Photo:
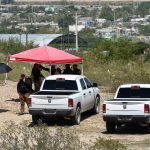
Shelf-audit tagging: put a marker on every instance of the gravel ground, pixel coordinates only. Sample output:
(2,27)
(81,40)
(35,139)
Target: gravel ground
(91,127)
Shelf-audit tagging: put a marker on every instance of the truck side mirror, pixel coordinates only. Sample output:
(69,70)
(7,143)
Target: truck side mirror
(95,85)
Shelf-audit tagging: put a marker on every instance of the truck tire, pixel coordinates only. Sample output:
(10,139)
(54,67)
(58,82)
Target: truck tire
(77,117)
(111,127)
(148,128)
(96,108)
(35,119)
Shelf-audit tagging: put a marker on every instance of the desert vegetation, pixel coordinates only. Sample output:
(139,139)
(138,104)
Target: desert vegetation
(112,63)
(109,63)
(40,138)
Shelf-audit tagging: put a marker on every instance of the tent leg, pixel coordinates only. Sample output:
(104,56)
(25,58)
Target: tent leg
(82,68)
(50,68)
(6,76)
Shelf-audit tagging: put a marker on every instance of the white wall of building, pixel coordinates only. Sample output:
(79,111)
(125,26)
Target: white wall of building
(72,28)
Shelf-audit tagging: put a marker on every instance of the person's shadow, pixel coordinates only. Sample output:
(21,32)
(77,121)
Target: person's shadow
(13,100)
(3,110)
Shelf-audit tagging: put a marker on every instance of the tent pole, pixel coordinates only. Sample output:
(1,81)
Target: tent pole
(6,76)
(50,68)
(82,68)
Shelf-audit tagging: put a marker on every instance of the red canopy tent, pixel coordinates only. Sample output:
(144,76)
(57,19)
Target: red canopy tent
(46,55)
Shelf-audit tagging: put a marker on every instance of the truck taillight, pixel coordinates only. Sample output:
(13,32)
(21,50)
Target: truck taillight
(146,108)
(70,102)
(104,108)
(29,102)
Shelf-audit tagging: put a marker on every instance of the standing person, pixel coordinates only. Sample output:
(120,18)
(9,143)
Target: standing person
(58,70)
(24,88)
(67,69)
(37,76)
(76,70)
(53,69)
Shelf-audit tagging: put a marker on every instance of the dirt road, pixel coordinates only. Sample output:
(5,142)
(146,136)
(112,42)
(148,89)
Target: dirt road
(91,127)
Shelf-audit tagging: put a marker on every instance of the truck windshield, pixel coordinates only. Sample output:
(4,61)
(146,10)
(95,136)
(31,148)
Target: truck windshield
(134,93)
(60,85)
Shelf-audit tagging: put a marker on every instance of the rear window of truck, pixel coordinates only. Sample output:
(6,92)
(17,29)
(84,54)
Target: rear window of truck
(134,93)
(60,85)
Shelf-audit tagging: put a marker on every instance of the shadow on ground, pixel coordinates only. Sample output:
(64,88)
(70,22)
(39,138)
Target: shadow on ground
(130,129)
(13,100)
(60,121)
(3,110)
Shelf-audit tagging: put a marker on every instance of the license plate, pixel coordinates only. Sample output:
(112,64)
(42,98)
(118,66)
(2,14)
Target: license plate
(50,111)
(125,118)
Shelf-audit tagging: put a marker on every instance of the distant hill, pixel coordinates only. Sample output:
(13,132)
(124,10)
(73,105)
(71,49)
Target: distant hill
(82,1)
(78,2)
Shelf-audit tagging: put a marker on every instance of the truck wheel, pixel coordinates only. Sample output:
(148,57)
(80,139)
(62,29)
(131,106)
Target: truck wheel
(111,127)
(77,117)
(148,128)
(35,119)
(96,108)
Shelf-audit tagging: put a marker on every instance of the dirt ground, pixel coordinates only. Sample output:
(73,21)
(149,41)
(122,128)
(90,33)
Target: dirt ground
(91,127)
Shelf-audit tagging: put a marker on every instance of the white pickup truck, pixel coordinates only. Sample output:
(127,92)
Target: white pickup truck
(131,104)
(66,96)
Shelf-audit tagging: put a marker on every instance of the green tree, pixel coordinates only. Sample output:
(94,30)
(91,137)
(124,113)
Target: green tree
(7,1)
(65,20)
(107,13)
(88,36)
(143,9)
(144,29)
(84,12)
(118,50)
(123,13)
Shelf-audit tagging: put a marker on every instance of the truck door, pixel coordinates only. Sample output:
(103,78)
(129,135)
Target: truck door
(84,92)
(90,93)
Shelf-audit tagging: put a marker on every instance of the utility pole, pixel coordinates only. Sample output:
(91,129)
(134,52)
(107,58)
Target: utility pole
(1,6)
(99,4)
(114,18)
(76,31)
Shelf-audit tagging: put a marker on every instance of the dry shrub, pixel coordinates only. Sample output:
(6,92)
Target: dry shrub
(107,144)
(115,73)
(21,137)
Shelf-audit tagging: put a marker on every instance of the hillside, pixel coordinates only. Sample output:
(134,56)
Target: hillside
(84,0)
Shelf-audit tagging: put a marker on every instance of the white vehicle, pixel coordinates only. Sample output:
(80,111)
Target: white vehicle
(66,96)
(131,104)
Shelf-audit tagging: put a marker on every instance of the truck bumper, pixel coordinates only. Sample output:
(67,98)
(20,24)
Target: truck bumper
(127,119)
(51,112)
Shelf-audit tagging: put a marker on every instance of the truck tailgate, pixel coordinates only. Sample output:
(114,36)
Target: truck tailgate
(125,107)
(49,102)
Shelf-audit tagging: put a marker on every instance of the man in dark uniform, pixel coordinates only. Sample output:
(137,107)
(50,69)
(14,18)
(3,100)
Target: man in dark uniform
(76,70)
